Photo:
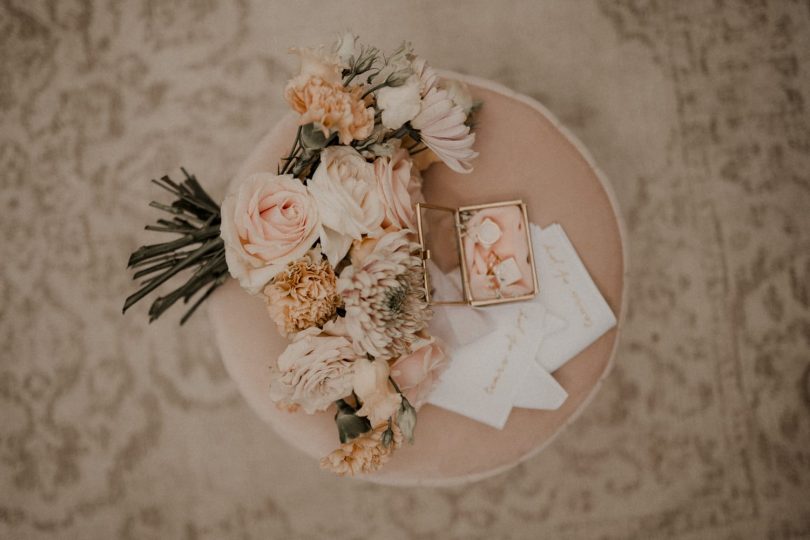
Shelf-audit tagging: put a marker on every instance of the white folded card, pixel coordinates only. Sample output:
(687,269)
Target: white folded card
(502,356)
(567,290)
(484,377)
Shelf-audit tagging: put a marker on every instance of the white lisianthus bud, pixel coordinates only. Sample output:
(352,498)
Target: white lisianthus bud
(399,104)
(344,47)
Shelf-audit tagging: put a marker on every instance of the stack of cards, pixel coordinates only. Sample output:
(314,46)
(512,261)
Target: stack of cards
(503,356)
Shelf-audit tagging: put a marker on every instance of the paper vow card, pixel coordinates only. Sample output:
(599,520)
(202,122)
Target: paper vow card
(484,376)
(503,356)
(567,291)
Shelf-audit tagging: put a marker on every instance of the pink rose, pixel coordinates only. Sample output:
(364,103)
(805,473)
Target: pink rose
(398,181)
(417,373)
(267,222)
(493,235)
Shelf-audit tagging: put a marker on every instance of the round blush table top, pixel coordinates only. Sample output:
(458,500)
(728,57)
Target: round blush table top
(524,154)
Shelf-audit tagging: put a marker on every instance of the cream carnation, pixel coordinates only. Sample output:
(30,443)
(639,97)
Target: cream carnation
(349,202)
(315,370)
(267,222)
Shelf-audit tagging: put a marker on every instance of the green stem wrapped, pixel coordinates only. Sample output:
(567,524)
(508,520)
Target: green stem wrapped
(197,219)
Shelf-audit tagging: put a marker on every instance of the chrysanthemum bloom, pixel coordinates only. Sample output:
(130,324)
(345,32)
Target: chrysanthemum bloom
(384,297)
(442,127)
(365,454)
(304,295)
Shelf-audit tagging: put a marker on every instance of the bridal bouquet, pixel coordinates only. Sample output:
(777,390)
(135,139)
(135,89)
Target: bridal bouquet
(328,241)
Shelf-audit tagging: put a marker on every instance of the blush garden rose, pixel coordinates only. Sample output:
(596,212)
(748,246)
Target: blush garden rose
(267,222)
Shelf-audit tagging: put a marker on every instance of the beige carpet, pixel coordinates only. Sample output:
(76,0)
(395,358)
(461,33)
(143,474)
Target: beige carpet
(699,112)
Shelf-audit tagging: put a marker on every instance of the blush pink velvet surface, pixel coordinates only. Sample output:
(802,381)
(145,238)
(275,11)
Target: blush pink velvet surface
(524,154)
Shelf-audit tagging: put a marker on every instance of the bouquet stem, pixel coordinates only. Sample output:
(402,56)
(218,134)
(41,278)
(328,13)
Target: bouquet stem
(196,218)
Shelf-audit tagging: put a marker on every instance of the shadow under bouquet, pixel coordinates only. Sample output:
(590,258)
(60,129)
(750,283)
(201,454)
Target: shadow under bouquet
(329,241)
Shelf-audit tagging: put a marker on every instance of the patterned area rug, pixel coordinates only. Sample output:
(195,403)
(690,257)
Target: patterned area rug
(698,110)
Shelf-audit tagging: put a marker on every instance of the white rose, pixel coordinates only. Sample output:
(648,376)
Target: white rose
(314,371)
(349,203)
(267,222)
(399,104)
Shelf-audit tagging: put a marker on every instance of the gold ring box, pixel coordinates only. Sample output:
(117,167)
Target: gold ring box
(489,245)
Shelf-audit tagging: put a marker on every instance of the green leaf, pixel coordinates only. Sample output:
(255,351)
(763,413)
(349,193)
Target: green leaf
(406,419)
(312,138)
(350,426)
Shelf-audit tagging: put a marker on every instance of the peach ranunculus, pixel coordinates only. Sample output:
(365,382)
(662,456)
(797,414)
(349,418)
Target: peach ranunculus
(370,383)
(319,96)
(349,202)
(494,236)
(397,179)
(315,370)
(267,221)
(417,373)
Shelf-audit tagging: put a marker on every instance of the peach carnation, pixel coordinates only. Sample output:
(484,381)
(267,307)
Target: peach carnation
(331,107)
(365,454)
(304,295)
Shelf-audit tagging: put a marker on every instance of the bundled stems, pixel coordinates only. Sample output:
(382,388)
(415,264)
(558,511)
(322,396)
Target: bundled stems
(196,218)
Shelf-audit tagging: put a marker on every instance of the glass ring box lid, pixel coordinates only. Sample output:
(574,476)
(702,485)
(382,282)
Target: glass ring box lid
(476,255)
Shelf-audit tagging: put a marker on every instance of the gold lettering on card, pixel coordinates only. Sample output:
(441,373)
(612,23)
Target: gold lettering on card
(512,341)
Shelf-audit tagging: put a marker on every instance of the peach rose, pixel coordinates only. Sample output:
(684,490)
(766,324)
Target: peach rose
(370,383)
(396,178)
(349,203)
(417,373)
(497,234)
(267,222)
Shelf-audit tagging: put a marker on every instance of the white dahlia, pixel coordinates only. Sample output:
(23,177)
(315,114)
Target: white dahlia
(441,124)
(384,296)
